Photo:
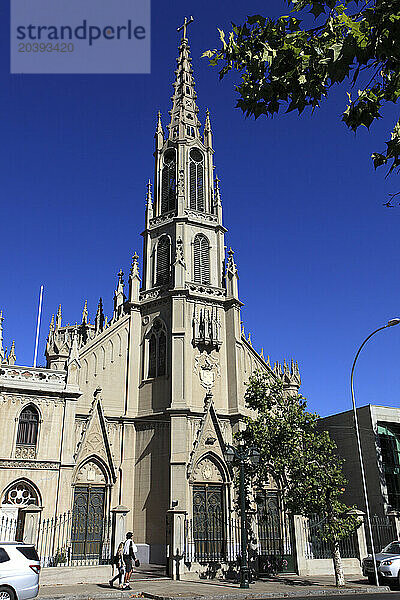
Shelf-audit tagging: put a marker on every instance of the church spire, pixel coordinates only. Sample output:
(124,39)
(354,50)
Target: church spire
(159,135)
(207,131)
(184,122)
(59,317)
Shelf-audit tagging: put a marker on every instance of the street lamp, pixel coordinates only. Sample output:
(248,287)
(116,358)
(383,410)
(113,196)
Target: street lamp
(242,455)
(390,323)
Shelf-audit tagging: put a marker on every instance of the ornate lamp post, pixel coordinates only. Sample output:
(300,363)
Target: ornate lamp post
(390,323)
(242,455)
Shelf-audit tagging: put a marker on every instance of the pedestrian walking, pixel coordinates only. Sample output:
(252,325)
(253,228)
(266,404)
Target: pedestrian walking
(118,562)
(129,555)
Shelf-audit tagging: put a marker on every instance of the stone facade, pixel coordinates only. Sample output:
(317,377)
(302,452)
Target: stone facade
(142,405)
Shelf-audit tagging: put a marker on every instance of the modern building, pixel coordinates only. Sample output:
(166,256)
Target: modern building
(131,416)
(380,442)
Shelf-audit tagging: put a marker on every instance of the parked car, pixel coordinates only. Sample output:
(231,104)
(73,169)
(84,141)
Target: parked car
(19,571)
(387,564)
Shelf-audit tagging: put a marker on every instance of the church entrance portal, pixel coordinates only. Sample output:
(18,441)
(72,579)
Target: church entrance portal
(88,523)
(208,522)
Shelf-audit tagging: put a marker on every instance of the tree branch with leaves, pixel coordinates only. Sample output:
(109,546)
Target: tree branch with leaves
(286,65)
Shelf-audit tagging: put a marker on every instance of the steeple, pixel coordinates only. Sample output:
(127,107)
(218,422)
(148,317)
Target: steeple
(149,204)
(85,314)
(99,320)
(184,122)
(207,131)
(12,356)
(59,317)
(134,280)
(159,135)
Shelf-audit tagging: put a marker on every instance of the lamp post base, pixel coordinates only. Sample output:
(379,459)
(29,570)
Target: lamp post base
(244,577)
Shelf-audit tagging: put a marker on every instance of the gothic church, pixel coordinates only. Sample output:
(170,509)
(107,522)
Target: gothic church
(125,428)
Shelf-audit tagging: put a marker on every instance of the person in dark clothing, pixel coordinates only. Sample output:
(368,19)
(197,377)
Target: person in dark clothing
(118,561)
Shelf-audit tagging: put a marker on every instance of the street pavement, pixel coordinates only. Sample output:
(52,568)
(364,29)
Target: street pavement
(157,587)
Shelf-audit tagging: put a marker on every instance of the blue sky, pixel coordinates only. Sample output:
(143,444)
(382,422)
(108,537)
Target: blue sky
(318,254)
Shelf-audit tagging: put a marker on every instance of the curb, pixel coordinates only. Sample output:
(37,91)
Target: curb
(233,596)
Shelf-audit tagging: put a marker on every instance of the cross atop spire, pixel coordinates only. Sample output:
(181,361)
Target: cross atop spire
(183,27)
(184,122)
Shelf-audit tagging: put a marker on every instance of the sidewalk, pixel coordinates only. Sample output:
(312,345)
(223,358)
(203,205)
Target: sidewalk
(160,588)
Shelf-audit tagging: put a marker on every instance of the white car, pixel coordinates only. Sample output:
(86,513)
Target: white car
(19,571)
(387,564)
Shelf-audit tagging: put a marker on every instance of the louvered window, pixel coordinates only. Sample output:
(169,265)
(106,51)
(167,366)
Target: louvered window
(163,261)
(168,184)
(28,427)
(157,350)
(152,356)
(201,259)
(196,180)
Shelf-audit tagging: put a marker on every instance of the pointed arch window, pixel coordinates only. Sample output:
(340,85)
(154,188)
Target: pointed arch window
(196,180)
(168,183)
(201,259)
(28,426)
(157,350)
(163,261)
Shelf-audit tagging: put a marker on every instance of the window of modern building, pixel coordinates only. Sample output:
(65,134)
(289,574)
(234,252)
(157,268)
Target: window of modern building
(196,180)
(201,259)
(168,183)
(389,439)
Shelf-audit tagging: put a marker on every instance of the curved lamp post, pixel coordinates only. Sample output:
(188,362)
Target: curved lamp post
(242,455)
(390,323)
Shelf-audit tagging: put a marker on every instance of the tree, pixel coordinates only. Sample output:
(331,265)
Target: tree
(284,64)
(301,457)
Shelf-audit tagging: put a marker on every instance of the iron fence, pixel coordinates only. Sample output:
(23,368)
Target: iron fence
(317,547)
(212,539)
(383,532)
(71,540)
(8,528)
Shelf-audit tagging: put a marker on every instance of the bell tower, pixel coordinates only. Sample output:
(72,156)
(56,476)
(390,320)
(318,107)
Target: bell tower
(186,197)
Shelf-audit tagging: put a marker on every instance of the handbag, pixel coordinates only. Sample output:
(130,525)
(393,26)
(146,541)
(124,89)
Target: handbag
(137,562)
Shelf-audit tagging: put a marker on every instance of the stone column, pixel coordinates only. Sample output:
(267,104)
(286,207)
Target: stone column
(361,537)
(395,516)
(300,544)
(31,523)
(118,526)
(176,543)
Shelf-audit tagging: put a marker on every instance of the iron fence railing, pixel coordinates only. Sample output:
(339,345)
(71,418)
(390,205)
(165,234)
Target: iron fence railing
(8,528)
(70,540)
(383,532)
(316,547)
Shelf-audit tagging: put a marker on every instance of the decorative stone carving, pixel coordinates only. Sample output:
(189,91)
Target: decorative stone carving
(207,368)
(21,494)
(181,182)
(22,451)
(156,221)
(179,257)
(36,375)
(201,216)
(206,327)
(90,473)
(32,464)
(207,470)
(208,290)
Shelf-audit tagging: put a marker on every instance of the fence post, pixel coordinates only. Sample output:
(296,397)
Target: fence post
(176,543)
(118,532)
(361,537)
(31,523)
(300,524)
(395,515)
